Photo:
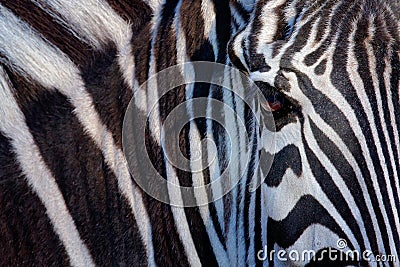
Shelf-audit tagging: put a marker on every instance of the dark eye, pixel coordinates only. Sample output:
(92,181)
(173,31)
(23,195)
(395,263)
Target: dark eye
(276,102)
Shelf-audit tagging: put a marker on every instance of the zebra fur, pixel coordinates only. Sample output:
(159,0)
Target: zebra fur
(337,64)
(68,72)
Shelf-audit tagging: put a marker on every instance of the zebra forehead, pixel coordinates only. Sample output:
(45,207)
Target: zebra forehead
(284,33)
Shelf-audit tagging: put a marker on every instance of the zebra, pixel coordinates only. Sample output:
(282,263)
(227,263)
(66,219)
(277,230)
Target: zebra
(68,71)
(334,66)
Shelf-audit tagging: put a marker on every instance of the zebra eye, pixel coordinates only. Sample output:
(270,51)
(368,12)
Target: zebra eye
(274,100)
(282,108)
(274,103)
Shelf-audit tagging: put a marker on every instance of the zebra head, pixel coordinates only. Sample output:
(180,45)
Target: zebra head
(332,69)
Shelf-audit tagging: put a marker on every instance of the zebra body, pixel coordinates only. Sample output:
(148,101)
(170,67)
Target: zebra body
(68,72)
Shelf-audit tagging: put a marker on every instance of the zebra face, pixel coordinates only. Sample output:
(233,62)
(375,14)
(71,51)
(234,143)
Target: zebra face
(315,63)
(337,64)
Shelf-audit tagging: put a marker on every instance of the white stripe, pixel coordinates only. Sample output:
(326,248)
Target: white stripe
(209,18)
(155,5)
(242,145)
(93,20)
(235,231)
(12,124)
(215,172)
(237,47)
(151,88)
(47,65)
(288,135)
(290,15)
(269,26)
(180,221)
(126,63)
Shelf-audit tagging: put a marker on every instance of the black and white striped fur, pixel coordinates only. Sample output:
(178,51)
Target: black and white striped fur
(68,70)
(337,160)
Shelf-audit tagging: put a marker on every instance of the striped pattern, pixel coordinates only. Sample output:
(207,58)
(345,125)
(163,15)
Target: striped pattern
(337,66)
(68,71)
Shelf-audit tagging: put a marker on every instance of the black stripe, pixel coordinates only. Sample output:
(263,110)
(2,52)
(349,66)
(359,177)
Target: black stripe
(281,24)
(243,13)
(168,248)
(249,176)
(257,61)
(301,40)
(324,17)
(287,158)
(104,81)
(394,88)
(223,28)
(257,230)
(27,236)
(141,50)
(256,26)
(233,57)
(192,25)
(321,67)
(305,213)
(285,29)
